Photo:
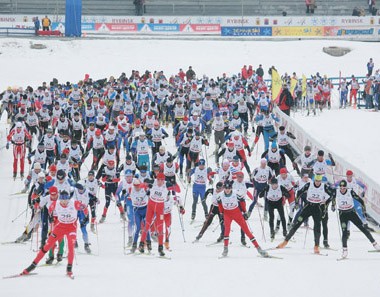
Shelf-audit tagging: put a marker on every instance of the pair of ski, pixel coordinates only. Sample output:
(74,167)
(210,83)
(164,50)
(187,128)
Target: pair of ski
(346,258)
(71,276)
(260,256)
(149,255)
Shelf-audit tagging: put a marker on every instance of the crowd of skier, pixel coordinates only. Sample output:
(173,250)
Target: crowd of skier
(146,141)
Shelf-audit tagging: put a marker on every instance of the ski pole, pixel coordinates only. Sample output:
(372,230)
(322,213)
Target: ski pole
(124,237)
(184,202)
(97,237)
(181,223)
(337,215)
(19,215)
(216,227)
(304,242)
(262,225)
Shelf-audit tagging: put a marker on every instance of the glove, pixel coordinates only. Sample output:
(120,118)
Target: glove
(330,156)
(7,146)
(211,182)
(29,161)
(221,217)
(248,214)
(333,207)
(249,154)
(124,192)
(181,210)
(296,206)
(245,216)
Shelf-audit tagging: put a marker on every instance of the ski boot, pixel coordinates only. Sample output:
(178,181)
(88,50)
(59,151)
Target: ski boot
(14,175)
(49,260)
(376,246)
(344,253)
(225,251)
(161,251)
(123,217)
(69,270)
(243,242)
(87,248)
(181,175)
(166,244)
(76,244)
(22,238)
(102,219)
(134,247)
(30,268)
(220,238)
(92,227)
(282,245)
(326,244)
(59,257)
(262,253)
(284,233)
(149,245)
(193,216)
(369,228)
(141,247)
(316,249)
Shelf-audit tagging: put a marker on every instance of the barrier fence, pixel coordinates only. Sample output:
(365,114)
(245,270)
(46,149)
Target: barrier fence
(339,170)
(341,27)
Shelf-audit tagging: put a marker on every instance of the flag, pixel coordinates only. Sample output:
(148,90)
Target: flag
(276,85)
(303,85)
(293,84)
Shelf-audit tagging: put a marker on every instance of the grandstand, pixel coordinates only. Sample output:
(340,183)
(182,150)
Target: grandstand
(184,7)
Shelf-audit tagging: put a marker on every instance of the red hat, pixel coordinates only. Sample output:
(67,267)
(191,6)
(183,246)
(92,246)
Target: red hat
(349,172)
(185,118)
(230,143)
(53,190)
(53,168)
(283,170)
(111,163)
(138,122)
(121,112)
(156,124)
(98,132)
(101,103)
(48,178)
(161,176)
(241,173)
(149,113)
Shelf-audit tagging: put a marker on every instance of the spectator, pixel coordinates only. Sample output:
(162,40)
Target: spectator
(310,6)
(190,74)
(371,6)
(370,66)
(36,25)
(368,93)
(286,100)
(260,71)
(181,74)
(139,6)
(244,73)
(46,23)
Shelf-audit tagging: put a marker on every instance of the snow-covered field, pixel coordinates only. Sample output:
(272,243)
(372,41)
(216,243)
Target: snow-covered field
(195,269)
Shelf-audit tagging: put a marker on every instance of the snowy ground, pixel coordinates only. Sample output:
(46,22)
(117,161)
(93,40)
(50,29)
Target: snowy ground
(195,269)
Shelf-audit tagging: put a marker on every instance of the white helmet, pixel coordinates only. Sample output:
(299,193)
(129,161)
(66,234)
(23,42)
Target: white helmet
(37,165)
(142,133)
(18,125)
(41,175)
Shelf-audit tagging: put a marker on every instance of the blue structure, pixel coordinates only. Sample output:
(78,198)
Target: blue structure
(73,22)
